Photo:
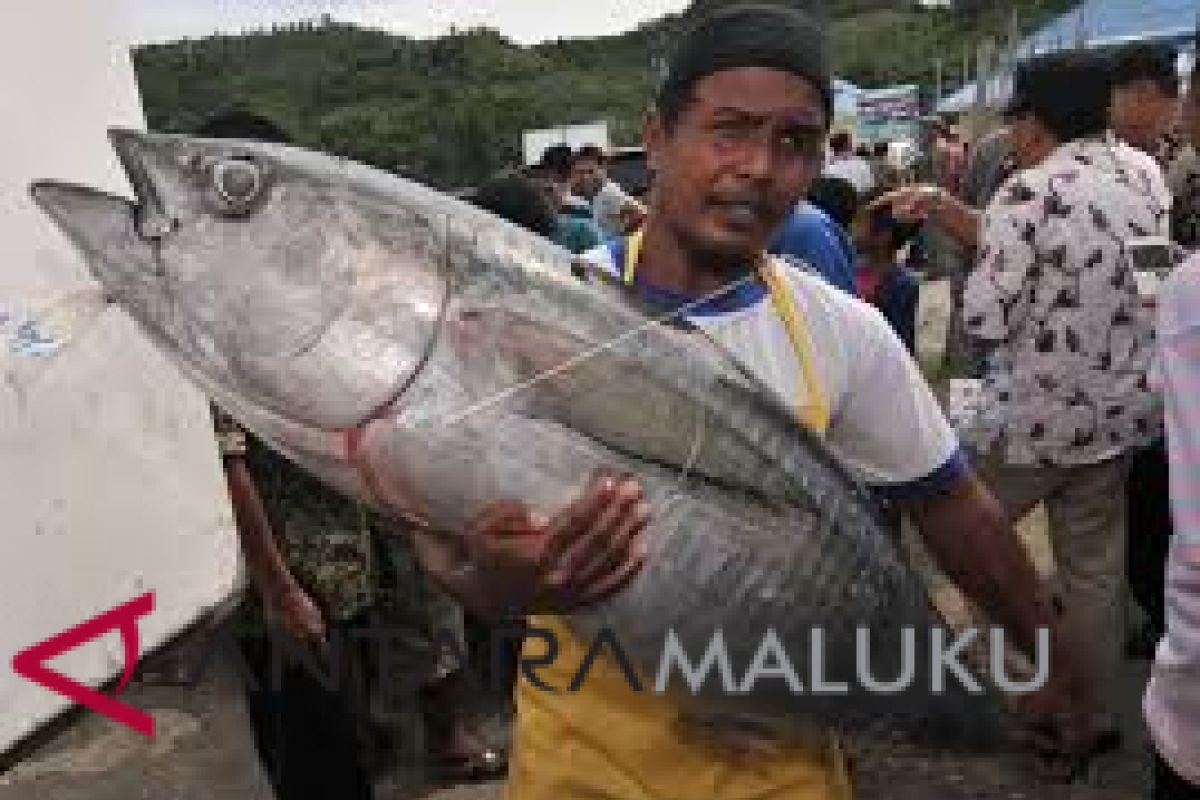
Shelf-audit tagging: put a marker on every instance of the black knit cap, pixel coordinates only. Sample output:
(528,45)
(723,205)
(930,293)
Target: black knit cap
(749,35)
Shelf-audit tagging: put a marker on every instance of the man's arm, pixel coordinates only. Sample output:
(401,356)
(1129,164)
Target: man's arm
(938,207)
(974,544)
(891,430)
(269,573)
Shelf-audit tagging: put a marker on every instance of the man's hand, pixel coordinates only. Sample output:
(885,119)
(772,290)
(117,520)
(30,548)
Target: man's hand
(936,206)
(910,203)
(973,541)
(297,613)
(285,603)
(517,563)
(1062,718)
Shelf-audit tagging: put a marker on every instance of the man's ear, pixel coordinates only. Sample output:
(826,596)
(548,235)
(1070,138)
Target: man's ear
(654,137)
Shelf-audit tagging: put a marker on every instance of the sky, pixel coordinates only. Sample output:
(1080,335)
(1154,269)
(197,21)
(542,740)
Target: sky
(524,21)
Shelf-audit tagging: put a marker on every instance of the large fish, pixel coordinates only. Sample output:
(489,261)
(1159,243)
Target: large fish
(419,353)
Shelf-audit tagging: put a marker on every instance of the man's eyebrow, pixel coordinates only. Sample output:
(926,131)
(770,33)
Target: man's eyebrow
(791,119)
(805,123)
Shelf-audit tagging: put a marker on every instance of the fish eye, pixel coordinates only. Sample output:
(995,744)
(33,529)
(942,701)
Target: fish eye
(238,183)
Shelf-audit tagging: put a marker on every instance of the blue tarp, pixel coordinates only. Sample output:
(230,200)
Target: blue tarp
(1109,21)
(1095,23)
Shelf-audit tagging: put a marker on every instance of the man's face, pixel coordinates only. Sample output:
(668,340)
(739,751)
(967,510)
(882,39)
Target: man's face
(737,160)
(587,177)
(1029,140)
(1142,113)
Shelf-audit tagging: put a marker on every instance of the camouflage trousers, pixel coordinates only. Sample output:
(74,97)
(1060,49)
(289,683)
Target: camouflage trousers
(425,628)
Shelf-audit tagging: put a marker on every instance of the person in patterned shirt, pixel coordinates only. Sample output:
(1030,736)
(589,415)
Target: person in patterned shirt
(1054,303)
(1066,392)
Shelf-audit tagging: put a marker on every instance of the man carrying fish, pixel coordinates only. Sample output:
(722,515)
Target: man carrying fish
(735,138)
(422,355)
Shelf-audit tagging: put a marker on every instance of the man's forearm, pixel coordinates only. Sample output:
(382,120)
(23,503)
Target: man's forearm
(970,538)
(956,218)
(268,570)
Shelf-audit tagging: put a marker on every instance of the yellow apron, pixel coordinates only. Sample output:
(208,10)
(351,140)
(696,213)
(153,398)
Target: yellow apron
(608,742)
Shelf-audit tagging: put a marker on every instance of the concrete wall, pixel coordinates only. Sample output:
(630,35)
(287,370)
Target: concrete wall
(110,484)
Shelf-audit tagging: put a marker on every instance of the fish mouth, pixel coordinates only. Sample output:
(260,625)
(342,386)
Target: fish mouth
(90,218)
(150,214)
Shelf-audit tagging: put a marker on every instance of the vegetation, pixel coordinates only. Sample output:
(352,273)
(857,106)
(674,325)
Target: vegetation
(450,111)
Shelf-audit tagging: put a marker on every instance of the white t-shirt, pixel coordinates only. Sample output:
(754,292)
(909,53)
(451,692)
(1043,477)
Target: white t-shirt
(853,169)
(886,426)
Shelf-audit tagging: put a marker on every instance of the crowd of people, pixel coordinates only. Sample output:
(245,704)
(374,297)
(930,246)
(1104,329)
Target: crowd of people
(1090,379)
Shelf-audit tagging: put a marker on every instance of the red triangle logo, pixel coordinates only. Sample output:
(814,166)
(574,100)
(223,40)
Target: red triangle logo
(31,663)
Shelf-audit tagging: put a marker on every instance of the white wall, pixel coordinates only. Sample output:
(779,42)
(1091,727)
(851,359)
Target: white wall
(110,484)
(537,142)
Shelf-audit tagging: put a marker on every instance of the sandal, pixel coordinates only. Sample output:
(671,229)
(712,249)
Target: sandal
(484,765)
(457,751)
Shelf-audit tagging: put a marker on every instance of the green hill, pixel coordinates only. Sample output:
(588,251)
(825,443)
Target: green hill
(450,111)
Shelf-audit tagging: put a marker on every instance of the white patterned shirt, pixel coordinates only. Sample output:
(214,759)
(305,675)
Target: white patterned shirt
(1056,300)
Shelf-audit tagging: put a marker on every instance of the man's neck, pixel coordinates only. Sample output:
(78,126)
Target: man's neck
(666,264)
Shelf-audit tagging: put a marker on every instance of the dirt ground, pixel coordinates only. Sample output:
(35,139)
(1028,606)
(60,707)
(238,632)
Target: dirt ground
(203,749)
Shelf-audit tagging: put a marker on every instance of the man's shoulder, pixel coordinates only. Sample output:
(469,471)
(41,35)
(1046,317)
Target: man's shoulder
(807,217)
(1151,167)
(836,167)
(824,302)
(811,236)
(1139,157)
(1024,188)
(575,205)
(611,195)
(809,225)
(613,188)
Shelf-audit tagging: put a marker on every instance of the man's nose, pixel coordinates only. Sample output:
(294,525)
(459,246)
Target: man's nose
(756,160)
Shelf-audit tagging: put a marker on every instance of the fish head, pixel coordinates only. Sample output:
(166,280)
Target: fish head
(287,281)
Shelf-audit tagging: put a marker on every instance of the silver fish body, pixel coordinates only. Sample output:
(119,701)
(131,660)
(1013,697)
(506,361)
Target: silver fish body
(421,354)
